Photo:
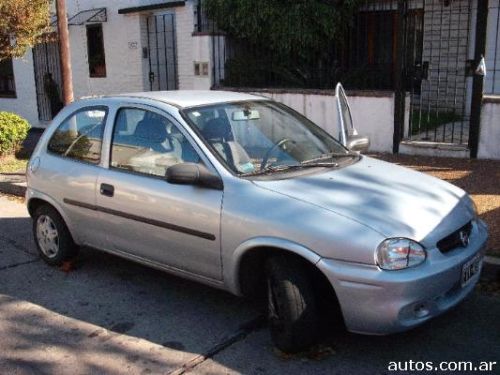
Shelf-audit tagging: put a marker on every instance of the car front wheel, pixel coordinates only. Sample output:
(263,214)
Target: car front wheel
(292,307)
(52,237)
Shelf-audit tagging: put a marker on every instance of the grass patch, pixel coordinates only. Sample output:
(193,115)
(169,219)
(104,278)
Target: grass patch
(423,121)
(11,164)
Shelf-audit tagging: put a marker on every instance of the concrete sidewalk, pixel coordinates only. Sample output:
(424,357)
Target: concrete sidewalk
(112,316)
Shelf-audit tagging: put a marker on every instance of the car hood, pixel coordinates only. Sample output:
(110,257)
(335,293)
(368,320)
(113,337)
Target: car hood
(392,200)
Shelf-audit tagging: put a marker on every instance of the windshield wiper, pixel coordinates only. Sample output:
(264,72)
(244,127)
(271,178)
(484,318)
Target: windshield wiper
(328,156)
(289,167)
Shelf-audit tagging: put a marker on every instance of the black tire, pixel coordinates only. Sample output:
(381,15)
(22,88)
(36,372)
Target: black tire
(66,248)
(293,314)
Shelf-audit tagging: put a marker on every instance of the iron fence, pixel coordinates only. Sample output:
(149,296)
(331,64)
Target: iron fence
(48,79)
(439,80)
(423,50)
(362,59)
(162,52)
(203,24)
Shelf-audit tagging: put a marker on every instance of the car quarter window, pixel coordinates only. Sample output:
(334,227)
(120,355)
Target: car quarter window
(80,135)
(148,143)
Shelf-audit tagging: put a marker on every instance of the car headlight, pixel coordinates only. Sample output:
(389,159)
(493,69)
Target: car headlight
(399,253)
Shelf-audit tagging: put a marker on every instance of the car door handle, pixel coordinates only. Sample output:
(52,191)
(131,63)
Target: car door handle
(107,190)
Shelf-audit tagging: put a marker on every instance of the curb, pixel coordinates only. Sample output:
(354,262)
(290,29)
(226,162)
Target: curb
(491,269)
(12,189)
(493,261)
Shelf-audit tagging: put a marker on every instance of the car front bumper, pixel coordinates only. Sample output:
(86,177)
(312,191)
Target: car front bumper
(374,301)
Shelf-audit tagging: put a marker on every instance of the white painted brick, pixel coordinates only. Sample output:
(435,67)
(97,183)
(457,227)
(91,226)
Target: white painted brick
(25,103)
(127,70)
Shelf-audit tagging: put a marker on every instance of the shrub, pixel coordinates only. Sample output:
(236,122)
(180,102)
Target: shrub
(13,130)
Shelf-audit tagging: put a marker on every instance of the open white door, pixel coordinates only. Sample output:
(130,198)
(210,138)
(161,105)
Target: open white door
(348,135)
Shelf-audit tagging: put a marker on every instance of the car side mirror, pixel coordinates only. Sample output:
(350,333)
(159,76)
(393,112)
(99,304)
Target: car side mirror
(193,174)
(358,143)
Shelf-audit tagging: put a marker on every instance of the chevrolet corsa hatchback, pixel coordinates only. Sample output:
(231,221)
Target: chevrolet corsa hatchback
(242,193)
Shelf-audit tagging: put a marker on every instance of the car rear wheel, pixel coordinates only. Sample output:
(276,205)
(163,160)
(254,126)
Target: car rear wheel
(52,237)
(292,307)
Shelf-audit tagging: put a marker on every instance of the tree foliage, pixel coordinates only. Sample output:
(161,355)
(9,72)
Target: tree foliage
(282,43)
(22,24)
(288,27)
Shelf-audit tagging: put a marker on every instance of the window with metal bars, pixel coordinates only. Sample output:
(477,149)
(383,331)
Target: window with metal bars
(7,84)
(95,47)
(202,23)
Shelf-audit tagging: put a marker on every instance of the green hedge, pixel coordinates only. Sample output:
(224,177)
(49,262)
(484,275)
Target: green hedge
(13,130)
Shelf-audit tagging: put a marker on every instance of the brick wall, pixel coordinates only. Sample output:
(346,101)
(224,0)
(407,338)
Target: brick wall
(446,46)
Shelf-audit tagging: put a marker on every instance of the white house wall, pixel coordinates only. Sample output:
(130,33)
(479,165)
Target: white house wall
(24,78)
(190,49)
(201,53)
(373,115)
(124,37)
(489,135)
(123,42)
(126,68)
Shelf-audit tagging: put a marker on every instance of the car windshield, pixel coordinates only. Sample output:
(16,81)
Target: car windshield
(261,137)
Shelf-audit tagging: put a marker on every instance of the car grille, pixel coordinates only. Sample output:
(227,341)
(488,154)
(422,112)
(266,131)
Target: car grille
(453,240)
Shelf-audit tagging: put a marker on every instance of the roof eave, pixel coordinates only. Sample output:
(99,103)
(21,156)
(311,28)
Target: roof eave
(144,8)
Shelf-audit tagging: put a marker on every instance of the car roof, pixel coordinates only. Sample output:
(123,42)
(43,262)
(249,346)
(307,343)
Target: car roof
(192,98)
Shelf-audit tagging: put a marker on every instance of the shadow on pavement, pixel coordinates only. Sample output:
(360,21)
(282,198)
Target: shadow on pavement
(126,300)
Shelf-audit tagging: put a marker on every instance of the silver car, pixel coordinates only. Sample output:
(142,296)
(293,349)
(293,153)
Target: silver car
(244,194)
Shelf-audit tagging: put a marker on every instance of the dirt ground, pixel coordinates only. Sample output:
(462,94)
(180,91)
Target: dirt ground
(11,164)
(480,178)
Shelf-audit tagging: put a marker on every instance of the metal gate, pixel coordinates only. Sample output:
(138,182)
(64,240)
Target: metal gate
(47,80)
(435,94)
(162,53)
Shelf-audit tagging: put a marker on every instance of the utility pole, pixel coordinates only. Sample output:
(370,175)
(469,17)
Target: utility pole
(64,51)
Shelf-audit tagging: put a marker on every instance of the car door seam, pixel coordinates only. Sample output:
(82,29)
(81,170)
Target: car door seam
(157,223)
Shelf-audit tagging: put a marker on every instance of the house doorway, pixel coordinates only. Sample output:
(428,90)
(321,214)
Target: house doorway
(162,52)
(48,80)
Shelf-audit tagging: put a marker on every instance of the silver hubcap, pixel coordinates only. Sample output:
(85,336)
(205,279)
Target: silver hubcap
(47,236)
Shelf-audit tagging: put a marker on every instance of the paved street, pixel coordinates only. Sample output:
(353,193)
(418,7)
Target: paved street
(112,316)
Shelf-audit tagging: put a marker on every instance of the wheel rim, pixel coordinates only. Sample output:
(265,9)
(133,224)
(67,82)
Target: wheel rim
(47,236)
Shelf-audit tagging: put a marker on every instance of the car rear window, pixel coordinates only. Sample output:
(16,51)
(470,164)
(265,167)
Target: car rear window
(80,135)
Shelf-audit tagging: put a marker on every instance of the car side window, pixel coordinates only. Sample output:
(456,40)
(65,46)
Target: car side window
(146,142)
(80,135)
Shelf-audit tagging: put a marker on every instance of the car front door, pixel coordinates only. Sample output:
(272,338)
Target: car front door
(177,226)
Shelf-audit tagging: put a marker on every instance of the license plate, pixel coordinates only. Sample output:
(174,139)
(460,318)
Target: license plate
(470,269)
